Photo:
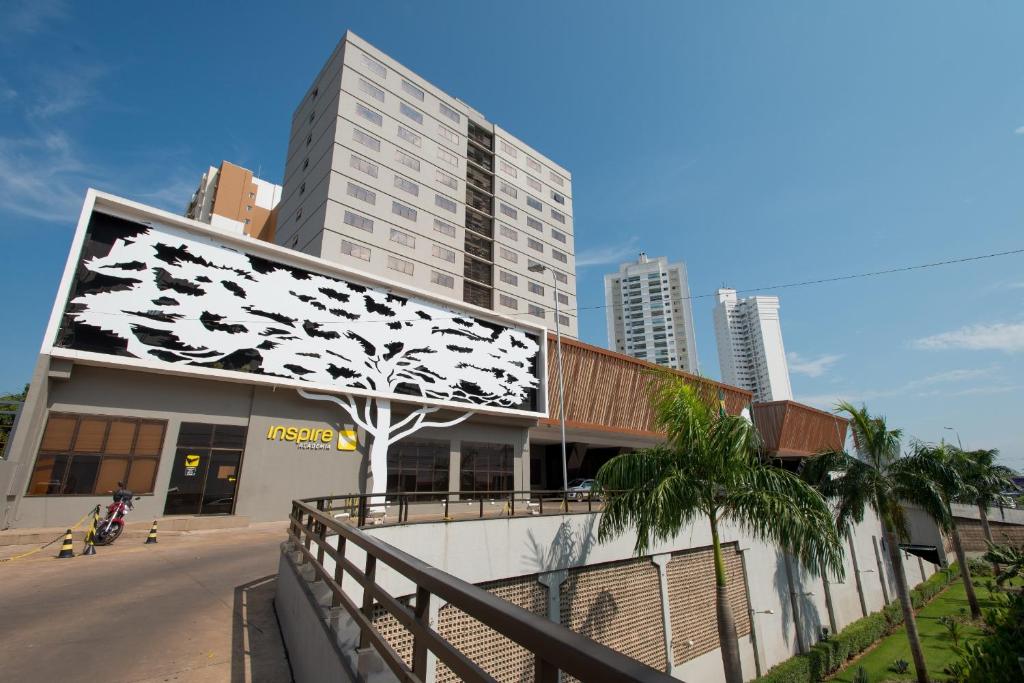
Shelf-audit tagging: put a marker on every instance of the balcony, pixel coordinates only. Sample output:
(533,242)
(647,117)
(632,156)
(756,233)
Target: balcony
(480,157)
(479,201)
(481,136)
(476,177)
(478,223)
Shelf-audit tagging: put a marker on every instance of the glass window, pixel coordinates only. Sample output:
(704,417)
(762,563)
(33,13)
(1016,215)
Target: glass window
(449,113)
(357,221)
(89,454)
(356,250)
(442,279)
(563,298)
(369,114)
(556,179)
(533,164)
(508,168)
(444,203)
(534,223)
(509,211)
(448,134)
(536,311)
(370,89)
(535,245)
(509,149)
(409,136)
(509,279)
(558,197)
(558,216)
(400,265)
(361,193)
(508,254)
(363,165)
(410,113)
(407,186)
(403,238)
(374,66)
(533,183)
(447,180)
(444,228)
(505,188)
(443,253)
(559,236)
(366,140)
(535,288)
(418,465)
(559,256)
(486,467)
(411,89)
(508,233)
(406,160)
(402,210)
(508,301)
(448,158)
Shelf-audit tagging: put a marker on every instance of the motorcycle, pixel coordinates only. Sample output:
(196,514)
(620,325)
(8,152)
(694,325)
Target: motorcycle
(108,531)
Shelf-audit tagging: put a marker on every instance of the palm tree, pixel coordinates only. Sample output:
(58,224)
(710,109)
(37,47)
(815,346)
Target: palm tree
(944,465)
(876,477)
(710,469)
(986,483)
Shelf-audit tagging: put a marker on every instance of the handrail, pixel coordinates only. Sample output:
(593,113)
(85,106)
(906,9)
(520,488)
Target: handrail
(554,646)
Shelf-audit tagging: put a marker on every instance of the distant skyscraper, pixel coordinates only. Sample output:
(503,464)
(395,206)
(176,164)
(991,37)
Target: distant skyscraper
(649,313)
(231,198)
(750,351)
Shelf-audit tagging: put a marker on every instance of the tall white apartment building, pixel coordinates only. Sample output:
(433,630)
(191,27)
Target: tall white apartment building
(750,350)
(388,174)
(649,313)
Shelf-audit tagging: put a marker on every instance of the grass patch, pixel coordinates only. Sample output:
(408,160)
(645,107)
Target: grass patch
(935,640)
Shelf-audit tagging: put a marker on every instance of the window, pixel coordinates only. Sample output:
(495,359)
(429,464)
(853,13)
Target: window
(406,160)
(509,211)
(305,163)
(534,244)
(374,66)
(355,250)
(403,238)
(309,139)
(448,134)
(248,207)
(442,279)
(508,232)
(563,319)
(443,202)
(366,140)
(535,311)
(302,188)
(507,168)
(505,188)
(559,236)
(411,89)
(448,158)
(556,179)
(444,228)
(449,113)
(407,186)
(533,164)
(508,278)
(558,197)
(509,150)
(298,215)
(410,113)
(533,183)
(559,256)
(401,265)
(402,210)
(409,136)
(475,294)
(363,165)
(486,467)
(508,301)
(508,254)
(357,221)
(89,454)
(563,298)
(478,270)
(316,91)
(558,216)
(447,180)
(362,193)
(443,253)
(312,115)
(534,203)
(418,465)
(534,223)
(369,114)
(535,288)
(370,89)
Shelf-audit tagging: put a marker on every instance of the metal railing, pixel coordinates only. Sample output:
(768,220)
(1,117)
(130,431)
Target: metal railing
(10,412)
(451,506)
(554,647)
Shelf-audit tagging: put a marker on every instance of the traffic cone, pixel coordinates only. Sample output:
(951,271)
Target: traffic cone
(152,534)
(90,547)
(67,547)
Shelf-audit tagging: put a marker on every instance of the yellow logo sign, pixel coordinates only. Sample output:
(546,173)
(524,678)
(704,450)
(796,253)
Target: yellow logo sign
(314,439)
(191,461)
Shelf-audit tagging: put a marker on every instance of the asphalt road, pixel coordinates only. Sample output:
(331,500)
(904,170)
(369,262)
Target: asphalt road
(197,606)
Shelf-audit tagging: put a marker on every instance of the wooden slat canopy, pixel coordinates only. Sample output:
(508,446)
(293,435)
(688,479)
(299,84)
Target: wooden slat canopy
(792,430)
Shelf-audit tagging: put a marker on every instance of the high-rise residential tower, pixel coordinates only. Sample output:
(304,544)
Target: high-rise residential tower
(388,174)
(649,313)
(750,350)
(232,198)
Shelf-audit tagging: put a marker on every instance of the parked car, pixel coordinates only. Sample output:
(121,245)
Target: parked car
(582,489)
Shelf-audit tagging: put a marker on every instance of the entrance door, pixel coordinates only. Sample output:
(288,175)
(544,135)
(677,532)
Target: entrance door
(206,468)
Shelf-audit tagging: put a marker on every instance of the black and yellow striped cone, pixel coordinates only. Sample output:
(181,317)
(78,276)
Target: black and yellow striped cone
(67,547)
(152,535)
(90,547)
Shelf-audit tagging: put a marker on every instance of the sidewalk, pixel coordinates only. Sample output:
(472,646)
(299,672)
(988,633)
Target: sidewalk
(197,606)
(29,536)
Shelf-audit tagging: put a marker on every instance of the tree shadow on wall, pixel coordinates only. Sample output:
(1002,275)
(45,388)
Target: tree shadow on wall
(569,547)
(809,621)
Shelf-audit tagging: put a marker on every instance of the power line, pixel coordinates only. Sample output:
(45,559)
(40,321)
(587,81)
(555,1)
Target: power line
(788,285)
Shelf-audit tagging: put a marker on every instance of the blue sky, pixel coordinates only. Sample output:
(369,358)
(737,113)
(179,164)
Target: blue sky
(761,144)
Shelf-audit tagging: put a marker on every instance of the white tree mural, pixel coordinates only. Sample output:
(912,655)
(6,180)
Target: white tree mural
(173,299)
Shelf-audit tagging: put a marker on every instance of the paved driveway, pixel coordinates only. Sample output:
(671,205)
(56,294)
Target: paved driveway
(197,606)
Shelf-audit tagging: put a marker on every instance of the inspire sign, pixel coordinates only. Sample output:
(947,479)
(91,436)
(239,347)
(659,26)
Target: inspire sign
(314,439)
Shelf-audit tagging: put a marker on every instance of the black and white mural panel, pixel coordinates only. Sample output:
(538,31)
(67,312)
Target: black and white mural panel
(175,298)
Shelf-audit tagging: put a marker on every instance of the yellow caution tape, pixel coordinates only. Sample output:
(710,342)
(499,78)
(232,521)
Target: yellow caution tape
(91,513)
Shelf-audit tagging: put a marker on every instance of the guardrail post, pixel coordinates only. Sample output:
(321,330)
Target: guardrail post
(321,538)
(339,571)
(309,530)
(481,507)
(361,515)
(543,671)
(421,612)
(367,609)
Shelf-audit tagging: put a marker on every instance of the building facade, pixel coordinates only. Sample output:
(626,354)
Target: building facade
(647,305)
(750,350)
(231,198)
(389,175)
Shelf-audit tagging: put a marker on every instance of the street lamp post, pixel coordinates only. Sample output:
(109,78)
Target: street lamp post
(961,446)
(540,268)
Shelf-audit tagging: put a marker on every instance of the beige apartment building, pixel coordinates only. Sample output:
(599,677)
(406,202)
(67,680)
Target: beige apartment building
(232,198)
(388,174)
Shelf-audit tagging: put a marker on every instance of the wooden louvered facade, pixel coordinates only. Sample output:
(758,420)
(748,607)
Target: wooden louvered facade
(606,391)
(793,430)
